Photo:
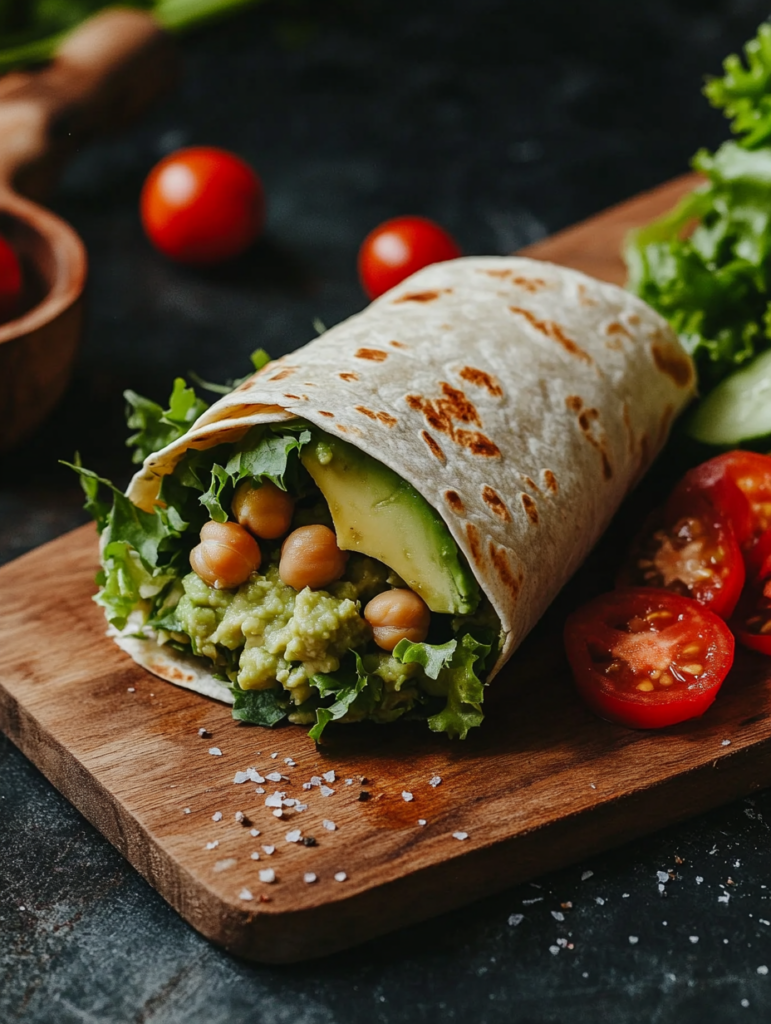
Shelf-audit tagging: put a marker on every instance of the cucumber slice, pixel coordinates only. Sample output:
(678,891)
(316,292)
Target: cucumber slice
(738,409)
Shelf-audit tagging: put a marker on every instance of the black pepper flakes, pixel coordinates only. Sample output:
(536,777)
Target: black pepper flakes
(364,796)
(309,841)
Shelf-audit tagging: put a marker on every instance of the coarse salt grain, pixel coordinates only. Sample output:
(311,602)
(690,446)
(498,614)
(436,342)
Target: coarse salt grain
(290,762)
(223,865)
(699,879)
(558,915)
(329,825)
(269,849)
(586,875)
(300,807)
(341,876)
(309,878)
(255,855)
(329,776)
(554,950)
(274,755)
(515,919)
(274,776)
(307,785)
(315,780)
(294,836)
(422,821)
(245,895)
(278,813)
(203,732)
(217,816)
(349,782)
(460,835)
(762,969)
(436,781)
(725,743)
(406,795)
(213,845)
(633,940)
(133,689)
(693,939)
(267,875)
(215,751)
(259,791)
(239,816)
(186,810)
(745,1003)
(255,832)
(275,799)
(326,791)
(724,898)
(599,901)
(289,802)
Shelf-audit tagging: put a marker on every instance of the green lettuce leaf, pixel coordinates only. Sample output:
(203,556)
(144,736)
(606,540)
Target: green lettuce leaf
(260,707)
(345,687)
(259,359)
(433,657)
(156,427)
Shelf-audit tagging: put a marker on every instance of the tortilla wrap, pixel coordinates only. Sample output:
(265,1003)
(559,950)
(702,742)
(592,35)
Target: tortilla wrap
(523,400)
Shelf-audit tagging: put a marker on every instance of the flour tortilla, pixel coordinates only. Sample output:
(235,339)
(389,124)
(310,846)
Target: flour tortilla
(523,400)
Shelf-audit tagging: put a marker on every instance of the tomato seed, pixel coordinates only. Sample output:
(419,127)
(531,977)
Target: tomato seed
(692,649)
(656,674)
(655,616)
(693,670)
(666,680)
(645,686)
(766,628)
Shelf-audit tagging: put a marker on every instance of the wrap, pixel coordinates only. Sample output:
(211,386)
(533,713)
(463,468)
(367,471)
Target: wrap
(521,399)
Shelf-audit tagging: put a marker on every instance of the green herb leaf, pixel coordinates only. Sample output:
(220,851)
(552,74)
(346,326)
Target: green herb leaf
(433,657)
(346,687)
(260,707)
(156,427)
(465,691)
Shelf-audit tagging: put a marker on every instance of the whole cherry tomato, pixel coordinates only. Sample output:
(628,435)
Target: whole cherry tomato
(693,553)
(400,247)
(202,205)
(647,658)
(10,282)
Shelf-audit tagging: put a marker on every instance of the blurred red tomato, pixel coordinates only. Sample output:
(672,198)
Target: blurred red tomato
(400,247)
(10,282)
(202,205)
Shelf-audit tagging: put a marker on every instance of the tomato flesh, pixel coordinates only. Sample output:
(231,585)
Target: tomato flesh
(202,205)
(752,623)
(694,554)
(400,247)
(10,282)
(647,658)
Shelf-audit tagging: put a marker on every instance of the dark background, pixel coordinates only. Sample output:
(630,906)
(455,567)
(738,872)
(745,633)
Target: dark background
(505,121)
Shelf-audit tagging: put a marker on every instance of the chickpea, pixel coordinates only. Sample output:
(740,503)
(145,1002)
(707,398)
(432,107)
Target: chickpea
(398,615)
(226,556)
(265,511)
(311,558)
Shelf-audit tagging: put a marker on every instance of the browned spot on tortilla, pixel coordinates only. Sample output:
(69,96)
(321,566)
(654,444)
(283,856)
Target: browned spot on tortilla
(286,372)
(617,328)
(614,344)
(553,330)
(497,273)
(473,542)
(530,483)
(477,443)
(387,418)
(446,327)
(495,502)
(575,403)
(172,673)
(428,296)
(633,319)
(482,380)
(584,298)
(433,446)
(376,355)
(530,507)
(341,428)
(672,363)
(365,412)
(323,413)
(296,397)
(550,480)
(500,561)
(246,384)
(442,414)
(453,499)
(348,376)
(398,344)
(530,284)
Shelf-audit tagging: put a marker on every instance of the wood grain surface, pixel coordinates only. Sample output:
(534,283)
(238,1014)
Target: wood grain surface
(542,784)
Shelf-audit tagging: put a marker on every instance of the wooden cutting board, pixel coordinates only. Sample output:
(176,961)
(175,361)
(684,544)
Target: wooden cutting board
(542,784)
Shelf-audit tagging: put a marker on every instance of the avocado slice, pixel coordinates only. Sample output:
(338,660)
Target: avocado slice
(378,514)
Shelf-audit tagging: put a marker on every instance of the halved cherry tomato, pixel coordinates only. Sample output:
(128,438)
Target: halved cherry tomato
(647,658)
(738,484)
(752,622)
(400,247)
(10,282)
(694,554)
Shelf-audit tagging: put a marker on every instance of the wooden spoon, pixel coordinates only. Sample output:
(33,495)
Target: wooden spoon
(103,75)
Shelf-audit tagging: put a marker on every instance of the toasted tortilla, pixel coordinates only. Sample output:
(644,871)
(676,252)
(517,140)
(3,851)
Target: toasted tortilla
(523,400)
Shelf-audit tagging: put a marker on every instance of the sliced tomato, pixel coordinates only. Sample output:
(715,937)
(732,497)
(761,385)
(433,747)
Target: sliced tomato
(752,622)
(694,554)
(738,484)
(647,658)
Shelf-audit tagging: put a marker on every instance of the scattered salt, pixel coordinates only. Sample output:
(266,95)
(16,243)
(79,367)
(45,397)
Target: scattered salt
(215,751)
(662,876)
(290,802)
(309,878)
(203,732)
(762,969)
(329,825)
(275,799)
(274,755)
(307,785)
(515,919)
(223,865)
(329,776)
(554,950)
(255,832)
(406,795)
(315,780)
(290,762)
(599,901)
(300,807)
(725,743)
(326,791)
(460,835)
(422,821)
(213,845)
(762,920)
(745,1003)
(245,895)
(536,899)
(349,782)
(133,689)
(436,781)
(239,816)
(255,855)
(558,915)
(586,875)
(294,836)
(592,786)
(699,879)
(724,898)
(633,940)
(269,849)
(217,816)
(278,813)
(186,810)
(267,875)
(693,939)
(341,876)
(275,777)
(259,791)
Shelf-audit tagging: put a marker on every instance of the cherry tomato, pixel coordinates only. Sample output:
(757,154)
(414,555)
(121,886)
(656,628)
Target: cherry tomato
(400,247)
(739,486)
(752,622)
(202,205)
(10,282)
(694,554)
(647,658)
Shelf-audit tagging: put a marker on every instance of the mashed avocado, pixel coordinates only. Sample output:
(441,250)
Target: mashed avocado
(280,635)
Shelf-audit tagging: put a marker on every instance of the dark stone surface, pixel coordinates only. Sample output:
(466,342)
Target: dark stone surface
(504,121)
